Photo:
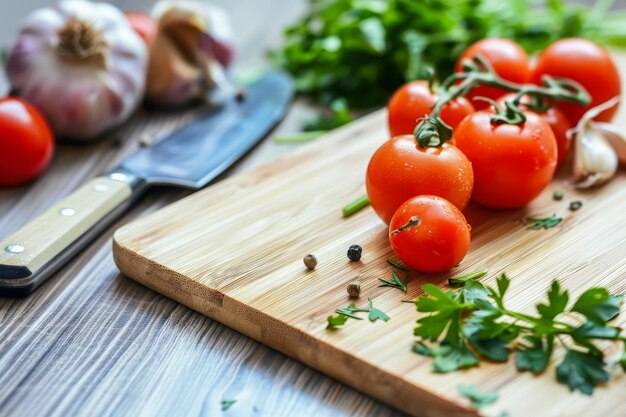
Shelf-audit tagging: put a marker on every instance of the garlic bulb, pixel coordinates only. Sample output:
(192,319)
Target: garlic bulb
(191,51)
(596,148)
(81,64)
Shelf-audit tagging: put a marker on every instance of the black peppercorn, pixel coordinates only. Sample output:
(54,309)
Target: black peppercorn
(354,253)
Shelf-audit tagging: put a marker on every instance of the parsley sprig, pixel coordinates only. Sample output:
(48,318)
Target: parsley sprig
(474,323)
(343,314)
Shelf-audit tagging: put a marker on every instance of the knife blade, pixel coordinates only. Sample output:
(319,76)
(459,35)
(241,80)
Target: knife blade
(190,157)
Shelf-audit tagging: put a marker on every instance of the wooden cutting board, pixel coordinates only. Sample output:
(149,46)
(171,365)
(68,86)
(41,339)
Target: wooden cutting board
(234,252)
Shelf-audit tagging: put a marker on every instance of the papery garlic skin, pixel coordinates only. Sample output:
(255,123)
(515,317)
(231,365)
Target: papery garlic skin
(87,84)
(193,47)
(595,159)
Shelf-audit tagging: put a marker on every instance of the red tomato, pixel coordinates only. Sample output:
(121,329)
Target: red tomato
(429,234)
(588,64)
(144,25)
(414,100)
(512,164)
(26,141)
(559,125)
(508,60)
(401,169)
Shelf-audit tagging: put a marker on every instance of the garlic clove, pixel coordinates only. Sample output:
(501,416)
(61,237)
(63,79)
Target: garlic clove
(595,161)
(192,50)
(615,138)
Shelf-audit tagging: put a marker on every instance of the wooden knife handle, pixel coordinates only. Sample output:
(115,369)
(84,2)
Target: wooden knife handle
(34,252)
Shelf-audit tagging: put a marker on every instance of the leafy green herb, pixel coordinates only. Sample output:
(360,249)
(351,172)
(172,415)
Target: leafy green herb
(538,223)
(460,281)
(395,282)
(398,265)
(575,205)
(581,371)
(474,323)
(374,313)
(343,314)
(558,195)
(478,399)
(359,52)
(226,404)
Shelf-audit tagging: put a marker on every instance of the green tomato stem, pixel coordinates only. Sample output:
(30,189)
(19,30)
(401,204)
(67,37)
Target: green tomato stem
(433,131)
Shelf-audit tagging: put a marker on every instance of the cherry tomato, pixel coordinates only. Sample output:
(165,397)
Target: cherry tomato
(26,142)
(558,123)
(585,62)
(512,164)
(429,234)
(401,169)
(144,25)
(508,60)
(414,100)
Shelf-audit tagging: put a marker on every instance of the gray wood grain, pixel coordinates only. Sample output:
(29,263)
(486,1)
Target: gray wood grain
(91,342)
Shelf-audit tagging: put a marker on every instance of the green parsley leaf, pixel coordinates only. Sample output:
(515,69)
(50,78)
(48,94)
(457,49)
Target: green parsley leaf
(473,291)
(592,330)
(478,399)
(598,305)
(557,302)
(376,314)
(534,357)
(581,371)
(336,321)
(226,404)
(493,348)
(448,358)
(431,327)
(460,281)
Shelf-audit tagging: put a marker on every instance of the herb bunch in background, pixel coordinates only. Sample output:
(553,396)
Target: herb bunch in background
(360,51)
(474,323)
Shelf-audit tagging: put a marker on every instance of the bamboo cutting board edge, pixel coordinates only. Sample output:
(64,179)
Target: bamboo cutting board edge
(227,311)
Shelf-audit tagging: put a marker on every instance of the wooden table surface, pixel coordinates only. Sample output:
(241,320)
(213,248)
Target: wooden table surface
(91,342)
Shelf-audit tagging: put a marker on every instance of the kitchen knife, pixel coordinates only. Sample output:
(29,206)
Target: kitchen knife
(190,157)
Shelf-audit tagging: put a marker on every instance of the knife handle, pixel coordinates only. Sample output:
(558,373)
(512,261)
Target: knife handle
(33,253)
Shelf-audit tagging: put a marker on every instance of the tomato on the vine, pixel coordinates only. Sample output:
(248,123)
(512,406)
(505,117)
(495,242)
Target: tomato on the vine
(508,60)
(143,25)
(512,164)
(586,63)
(414,100)
(429,234)
(401,169)
(26,141)
(558,123)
